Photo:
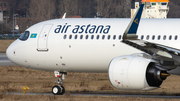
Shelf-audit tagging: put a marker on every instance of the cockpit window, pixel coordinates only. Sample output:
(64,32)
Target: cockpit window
(24,36)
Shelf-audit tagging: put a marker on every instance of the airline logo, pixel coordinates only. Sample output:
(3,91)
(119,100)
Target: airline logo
(83,29)
(136,21)
(33,35)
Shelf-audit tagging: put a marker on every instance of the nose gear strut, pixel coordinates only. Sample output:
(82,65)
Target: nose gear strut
(59,89)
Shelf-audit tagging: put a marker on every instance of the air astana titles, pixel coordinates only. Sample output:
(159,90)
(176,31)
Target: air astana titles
(83,29)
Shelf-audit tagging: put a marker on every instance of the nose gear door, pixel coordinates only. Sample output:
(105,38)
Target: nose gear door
(43,37)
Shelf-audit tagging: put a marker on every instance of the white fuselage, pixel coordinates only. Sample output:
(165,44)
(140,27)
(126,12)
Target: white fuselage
(51,51)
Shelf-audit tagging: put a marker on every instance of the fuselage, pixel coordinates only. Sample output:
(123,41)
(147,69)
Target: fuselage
(86,45)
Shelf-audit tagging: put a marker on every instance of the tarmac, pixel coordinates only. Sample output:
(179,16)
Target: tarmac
(4,61)
(101,95)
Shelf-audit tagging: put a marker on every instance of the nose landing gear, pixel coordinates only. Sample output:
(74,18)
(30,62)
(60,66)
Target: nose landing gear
(59,89)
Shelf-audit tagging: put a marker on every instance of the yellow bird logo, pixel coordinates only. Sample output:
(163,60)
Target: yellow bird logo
(136,21)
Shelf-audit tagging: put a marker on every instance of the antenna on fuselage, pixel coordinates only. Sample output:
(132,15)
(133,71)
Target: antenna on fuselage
(64,16)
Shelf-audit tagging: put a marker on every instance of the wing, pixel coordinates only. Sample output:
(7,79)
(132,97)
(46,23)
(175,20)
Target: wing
(165,56)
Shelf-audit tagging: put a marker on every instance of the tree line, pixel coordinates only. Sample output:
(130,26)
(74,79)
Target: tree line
(40,10)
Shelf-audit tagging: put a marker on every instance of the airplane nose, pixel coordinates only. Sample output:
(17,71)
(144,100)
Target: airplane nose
(10,52)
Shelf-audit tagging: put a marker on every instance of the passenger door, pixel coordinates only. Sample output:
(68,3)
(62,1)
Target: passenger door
(43,37)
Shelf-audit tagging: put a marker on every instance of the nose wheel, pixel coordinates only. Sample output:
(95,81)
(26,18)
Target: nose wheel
(59,89)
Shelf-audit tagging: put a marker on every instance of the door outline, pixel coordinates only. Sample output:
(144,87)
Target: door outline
(43,38)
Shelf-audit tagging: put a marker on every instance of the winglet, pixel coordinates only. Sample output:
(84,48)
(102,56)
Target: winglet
(64,16)
(130,32)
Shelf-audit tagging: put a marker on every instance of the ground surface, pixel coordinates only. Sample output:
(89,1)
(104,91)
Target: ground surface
(14,78)
(4,45)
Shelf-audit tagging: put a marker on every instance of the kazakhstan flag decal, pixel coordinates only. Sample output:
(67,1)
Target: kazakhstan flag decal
(33,35)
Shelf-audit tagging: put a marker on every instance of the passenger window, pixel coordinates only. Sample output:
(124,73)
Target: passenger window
(119,37)
(70,36)
(147,37)
(170,37)
(176,37)
(109,37)
(153,37)
(159,37)
(65,36)
(142,37)
(97,37)
(92,37)
(75,37)
(81,36)
(103,37)
(86,36)
(164,37)
(24,36)
(114,37)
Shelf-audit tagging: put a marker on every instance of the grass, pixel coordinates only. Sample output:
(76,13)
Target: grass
(4,45)
(14,78)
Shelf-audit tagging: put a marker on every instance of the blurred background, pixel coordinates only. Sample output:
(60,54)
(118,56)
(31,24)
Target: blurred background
(17,15)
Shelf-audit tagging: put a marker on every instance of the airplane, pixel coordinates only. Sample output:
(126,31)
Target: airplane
(135,59)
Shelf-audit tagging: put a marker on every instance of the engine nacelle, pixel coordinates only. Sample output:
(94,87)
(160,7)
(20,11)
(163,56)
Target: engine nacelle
(135,72)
